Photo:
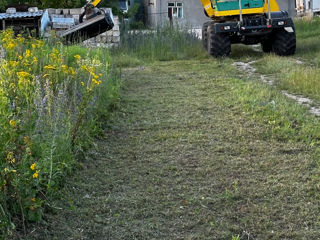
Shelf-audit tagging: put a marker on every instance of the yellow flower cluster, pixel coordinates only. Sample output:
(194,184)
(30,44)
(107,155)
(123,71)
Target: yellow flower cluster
(36,174)
(33,168)
(50,67)
(77,57)
(13,123)
(91,71)
(8,40)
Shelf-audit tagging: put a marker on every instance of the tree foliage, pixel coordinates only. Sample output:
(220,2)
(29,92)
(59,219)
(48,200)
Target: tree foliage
(54,3)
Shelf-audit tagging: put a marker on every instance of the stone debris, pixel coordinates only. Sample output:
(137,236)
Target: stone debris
(245,67)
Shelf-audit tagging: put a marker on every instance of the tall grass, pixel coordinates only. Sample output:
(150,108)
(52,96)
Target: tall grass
(163,44)
(51,100)
(308,32)
(300,73)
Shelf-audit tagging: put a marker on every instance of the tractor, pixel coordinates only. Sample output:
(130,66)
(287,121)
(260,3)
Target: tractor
(248,22)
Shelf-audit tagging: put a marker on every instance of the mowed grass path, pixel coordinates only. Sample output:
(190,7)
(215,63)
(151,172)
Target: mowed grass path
(180,161)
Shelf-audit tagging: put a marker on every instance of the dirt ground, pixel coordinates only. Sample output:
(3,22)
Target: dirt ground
(180,160)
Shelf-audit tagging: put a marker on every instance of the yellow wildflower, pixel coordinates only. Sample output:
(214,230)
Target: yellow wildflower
(35,59)
(82,83)
(53,56)
(84,68)
(13,170)
(20,38)
(13,63)
(6,170)
(12,161)
(39,43)
(77,57)
(23,74)
(72,71)
(36,174)
(28,53)
(33,45)
(11,46)
(46,75)
(20,57)
(94,75)
(49,67)
(33,166)
(65,69)
(12,123)
(96,82)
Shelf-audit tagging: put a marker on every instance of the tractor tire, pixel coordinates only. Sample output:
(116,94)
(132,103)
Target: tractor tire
(284,43)
(267,46)
(205,35)
(219,44)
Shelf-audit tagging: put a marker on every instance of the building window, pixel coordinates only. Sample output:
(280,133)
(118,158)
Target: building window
(175,10)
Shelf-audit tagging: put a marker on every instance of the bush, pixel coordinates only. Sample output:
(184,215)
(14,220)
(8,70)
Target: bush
(51,98)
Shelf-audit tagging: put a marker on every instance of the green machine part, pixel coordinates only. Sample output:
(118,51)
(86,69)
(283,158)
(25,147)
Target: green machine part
(227,5)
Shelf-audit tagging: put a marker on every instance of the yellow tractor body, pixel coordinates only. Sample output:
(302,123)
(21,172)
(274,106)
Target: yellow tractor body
(248,22)
(213,11)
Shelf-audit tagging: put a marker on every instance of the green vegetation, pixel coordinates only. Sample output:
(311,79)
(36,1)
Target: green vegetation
(300,74)
(197,148)
(58,4)
(195,152)
(52,101)
(162,44)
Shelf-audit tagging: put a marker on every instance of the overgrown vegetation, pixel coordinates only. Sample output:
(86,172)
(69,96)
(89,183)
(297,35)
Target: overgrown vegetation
(51,100)
(300,74)
(161,44)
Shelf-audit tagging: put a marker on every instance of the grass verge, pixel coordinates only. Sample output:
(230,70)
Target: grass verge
(298,74)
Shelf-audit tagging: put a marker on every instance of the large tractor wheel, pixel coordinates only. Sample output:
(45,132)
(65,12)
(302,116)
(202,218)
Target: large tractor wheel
(219,44)
(266,45)
(284,43)
(205,35)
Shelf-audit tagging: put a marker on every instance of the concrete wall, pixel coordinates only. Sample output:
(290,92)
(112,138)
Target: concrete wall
(289,6)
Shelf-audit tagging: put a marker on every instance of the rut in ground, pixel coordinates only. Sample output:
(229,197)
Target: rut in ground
(178,161)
